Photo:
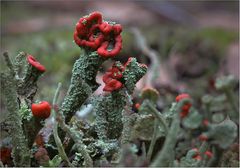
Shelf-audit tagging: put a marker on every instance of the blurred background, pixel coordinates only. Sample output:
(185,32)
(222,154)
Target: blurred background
(194,41)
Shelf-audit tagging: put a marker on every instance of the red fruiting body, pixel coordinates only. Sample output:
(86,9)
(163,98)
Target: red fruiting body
(41,155)
(115,73)
(92,32)
(105,28)
(195,149)
(107,77)
(209,154)
(117,29)
(41,110)
(112,85)
(32,61)
(211,83)
(205,122)
(182,96)
(197,157)
(87,31)
(5,156)
(128,61)
(103,49)
(137,105)
(40,152)
(111,77)
(186,107)
(39,140)
(185,110)
(183,114)
(143,65)
(203,138)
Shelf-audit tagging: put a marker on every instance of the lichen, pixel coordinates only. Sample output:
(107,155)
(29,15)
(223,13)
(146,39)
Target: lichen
(20,153)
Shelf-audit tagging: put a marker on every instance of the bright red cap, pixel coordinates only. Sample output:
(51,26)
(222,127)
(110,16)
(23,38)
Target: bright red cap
(31,60)
(203,138)
(209,154)
(107,77)
(137,105)
(5,155)
(39,140)
(182,96)
(197,157)
(41,110)
(185,110)
(195,149)
(41,154)
(115,73)
(103,49)
(91,31)
(112,85)
(205,122)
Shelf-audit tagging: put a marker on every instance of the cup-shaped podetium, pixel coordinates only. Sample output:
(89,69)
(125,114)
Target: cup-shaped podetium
(186,107)
(32,61)
(41,110)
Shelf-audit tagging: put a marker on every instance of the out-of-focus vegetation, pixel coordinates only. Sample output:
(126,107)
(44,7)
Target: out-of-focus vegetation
(57,51)
(195,53)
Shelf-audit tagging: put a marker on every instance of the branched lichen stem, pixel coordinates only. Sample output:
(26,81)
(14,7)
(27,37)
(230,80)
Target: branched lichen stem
(9,63)
(20,151)
(59,144)
(158,115)
(203,148)
(76,138)
(230,96)
(153,141)
(166,156)
(128,118)
(217,154)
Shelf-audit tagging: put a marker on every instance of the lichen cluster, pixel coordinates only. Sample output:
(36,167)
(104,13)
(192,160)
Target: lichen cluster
(117,131)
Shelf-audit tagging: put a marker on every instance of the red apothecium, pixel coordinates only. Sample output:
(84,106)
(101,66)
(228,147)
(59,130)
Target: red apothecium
(32,61)
(41,110)
(104,37)
(112,85)
(186,107)
(182,96)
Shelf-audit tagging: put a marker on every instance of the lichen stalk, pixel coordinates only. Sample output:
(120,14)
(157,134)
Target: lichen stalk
(83,82)
(114,116)
(230,96)
(18,62)
(31,127)
(166,156)
(76,138)
(20,152)
(109,108)
(58,142)
(158,115)
(27,87)
(101,118)
(89,64)
(153,141)
(128,118)
(9,63)
(203,148)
